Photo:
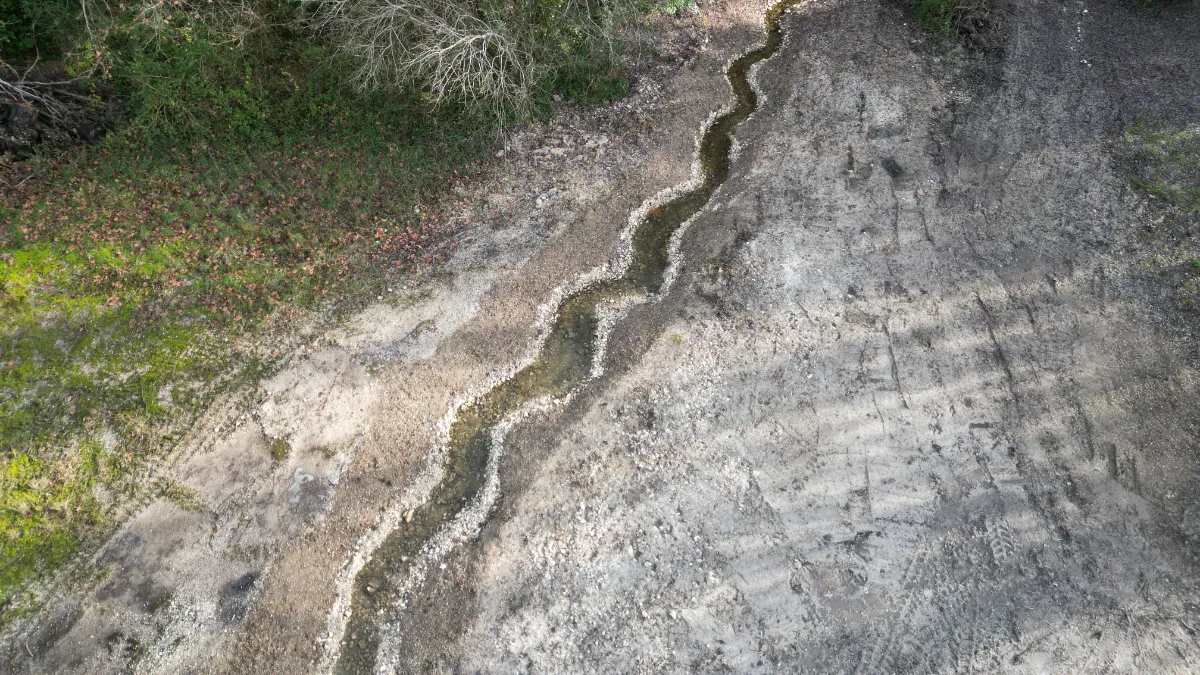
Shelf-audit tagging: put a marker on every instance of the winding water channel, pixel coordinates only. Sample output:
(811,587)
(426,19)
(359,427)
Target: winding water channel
(564,362)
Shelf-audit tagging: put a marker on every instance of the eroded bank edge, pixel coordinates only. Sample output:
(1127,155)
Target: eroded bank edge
(469,520)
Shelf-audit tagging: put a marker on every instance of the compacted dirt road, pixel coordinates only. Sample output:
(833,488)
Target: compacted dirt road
(906,402)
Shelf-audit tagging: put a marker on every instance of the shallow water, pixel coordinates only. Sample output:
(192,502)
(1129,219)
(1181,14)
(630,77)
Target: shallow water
(564,362)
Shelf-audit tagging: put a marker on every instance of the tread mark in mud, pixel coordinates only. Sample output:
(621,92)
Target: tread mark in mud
(564,362)
(1110,455)
(884,647)
(1000,541)
(1001,357)
(1088,435)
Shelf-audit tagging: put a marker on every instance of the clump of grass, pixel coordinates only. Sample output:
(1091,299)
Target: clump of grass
(1164,165)
(973,22)
(46,507)
(280,449)
(181,496)
(1167,165)
(134,277)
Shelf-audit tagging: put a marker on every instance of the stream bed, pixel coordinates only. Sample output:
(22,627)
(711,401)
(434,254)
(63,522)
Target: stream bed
(565,361)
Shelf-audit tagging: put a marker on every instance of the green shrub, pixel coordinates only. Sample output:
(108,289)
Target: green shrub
(170,72)
(936,17)
(38,28)
(1167,161)
(973,22)
(500,55)
(249,177)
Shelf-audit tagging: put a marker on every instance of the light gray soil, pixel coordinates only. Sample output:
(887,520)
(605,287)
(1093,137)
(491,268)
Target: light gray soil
(910,405)
(239,575)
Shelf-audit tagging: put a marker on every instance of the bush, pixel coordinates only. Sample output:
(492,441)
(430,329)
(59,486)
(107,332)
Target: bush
(174,70)
(972,21)
(37,28)
(497,54)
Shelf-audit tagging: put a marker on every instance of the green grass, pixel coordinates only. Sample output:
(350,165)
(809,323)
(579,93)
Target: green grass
(45,506)
(134,277)
(936,17)
(1163,163)
(971,22)
(247,186)
(1168,161)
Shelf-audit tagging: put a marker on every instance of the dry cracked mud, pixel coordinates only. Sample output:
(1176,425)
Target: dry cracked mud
(909,403)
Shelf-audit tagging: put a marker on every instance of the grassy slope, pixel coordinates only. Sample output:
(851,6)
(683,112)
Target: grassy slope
(141,277)
(130,282)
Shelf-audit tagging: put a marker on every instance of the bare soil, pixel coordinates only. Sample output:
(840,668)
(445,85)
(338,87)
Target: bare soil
(910,404)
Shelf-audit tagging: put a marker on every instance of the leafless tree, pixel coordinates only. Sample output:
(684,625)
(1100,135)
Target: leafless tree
(488,53)
(440,45)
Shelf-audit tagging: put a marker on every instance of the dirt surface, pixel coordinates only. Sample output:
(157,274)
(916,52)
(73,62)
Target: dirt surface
(911,406)
(910,403)
(279,484)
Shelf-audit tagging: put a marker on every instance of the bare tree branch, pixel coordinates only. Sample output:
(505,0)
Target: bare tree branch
(452,49)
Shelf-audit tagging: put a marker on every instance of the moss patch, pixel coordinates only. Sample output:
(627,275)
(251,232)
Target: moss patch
(280,449)
(1167,165)
(972,22)
(1164,165)
(138,284)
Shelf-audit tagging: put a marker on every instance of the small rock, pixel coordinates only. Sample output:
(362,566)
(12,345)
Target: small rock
(558,152)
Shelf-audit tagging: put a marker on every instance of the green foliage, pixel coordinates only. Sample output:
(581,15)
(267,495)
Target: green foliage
(970,21)
(591,83)
(183,80)
(1168,164)
(191,69)
(936,17)
(45,507)
(33,28)
(673,7)
(248,179)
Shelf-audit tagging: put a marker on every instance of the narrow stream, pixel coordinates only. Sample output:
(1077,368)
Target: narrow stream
(564,362)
